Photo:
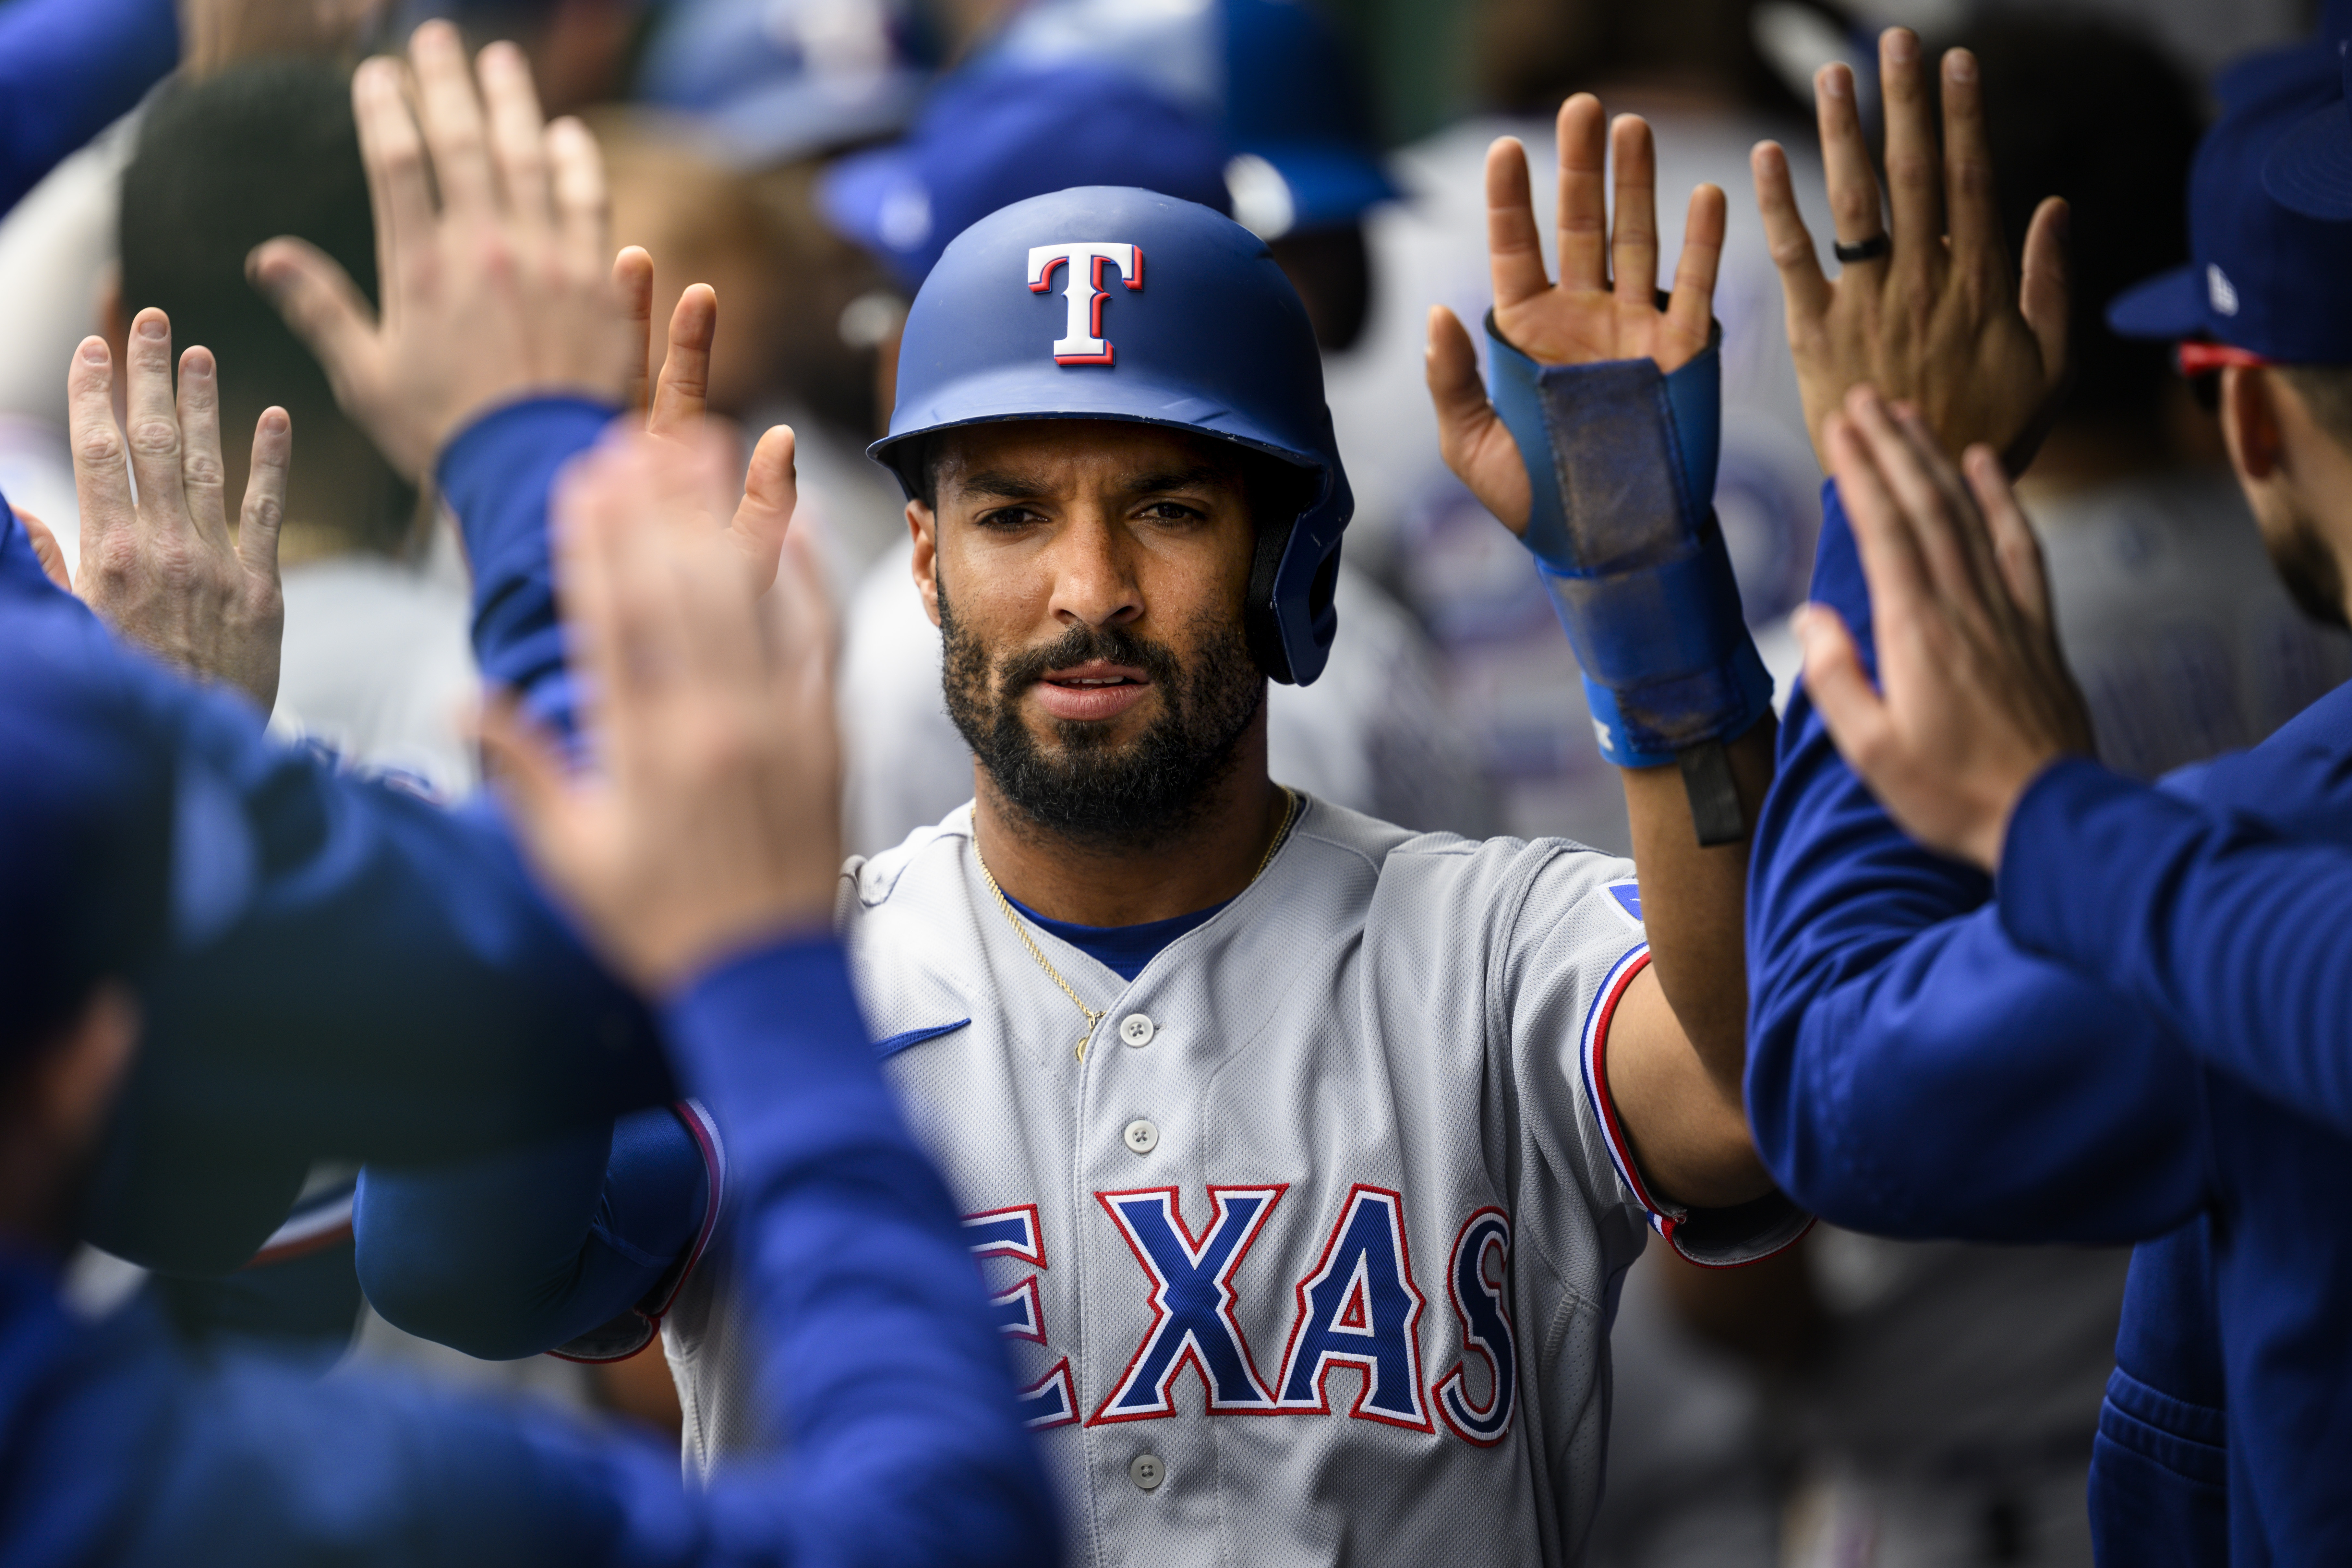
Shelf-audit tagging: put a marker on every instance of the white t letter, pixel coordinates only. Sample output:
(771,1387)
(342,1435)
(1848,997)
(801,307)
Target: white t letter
(1081,341)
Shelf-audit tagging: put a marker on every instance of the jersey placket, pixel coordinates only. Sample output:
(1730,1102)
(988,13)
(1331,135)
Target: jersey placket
(1147,1214)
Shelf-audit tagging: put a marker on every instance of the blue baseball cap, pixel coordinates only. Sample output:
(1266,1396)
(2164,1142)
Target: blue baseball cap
(1273,75)
(2310,170)
(2263,279)
(1000,132)
(773,80)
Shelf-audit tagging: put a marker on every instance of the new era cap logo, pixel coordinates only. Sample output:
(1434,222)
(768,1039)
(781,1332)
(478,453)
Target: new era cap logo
(1082,261)
(2221,290)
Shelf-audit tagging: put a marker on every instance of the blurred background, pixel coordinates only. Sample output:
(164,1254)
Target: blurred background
(1856,1402)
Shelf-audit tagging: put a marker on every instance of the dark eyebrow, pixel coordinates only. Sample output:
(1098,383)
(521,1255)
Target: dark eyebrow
(1200,477)
(1003,484)
(999,483)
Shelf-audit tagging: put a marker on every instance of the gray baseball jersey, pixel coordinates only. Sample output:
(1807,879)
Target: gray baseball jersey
(1311,1258)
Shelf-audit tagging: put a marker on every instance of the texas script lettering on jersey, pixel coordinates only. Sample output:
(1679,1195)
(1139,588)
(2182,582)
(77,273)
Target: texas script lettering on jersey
(1358,1307)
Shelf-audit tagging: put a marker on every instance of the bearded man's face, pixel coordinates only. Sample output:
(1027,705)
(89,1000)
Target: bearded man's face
(1089,578)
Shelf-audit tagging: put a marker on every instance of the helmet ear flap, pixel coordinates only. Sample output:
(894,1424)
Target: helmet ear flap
(1261,622)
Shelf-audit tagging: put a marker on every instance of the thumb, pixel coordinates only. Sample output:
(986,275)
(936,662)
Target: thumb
(2043,288)
(1850,707)
(46,549)
(771,493)
(324,308)
(1468,429)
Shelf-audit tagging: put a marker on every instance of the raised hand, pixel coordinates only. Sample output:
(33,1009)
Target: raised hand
(501,291)
(1931,311)
(708,820)
(1605,305)
(1973,698)
(676,408)
(161,570)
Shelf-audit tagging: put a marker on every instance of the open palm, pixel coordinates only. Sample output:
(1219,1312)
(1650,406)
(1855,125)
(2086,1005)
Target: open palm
(1605,304)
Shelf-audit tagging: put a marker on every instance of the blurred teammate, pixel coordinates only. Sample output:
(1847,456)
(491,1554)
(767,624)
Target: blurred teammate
(2187,645)
(901,1445)
(1918,1067)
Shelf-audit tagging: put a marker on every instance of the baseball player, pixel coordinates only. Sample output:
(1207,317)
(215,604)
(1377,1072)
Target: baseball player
(904,1445)
(2069,1054)
(1302,1154)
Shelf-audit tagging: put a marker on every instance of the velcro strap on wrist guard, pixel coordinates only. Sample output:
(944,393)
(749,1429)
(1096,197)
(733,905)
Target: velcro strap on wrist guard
(1621,464)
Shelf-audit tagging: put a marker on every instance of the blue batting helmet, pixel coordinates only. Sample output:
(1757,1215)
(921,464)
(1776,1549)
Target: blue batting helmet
(1107,302)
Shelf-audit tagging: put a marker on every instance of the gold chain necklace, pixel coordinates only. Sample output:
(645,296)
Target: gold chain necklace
(1289,814)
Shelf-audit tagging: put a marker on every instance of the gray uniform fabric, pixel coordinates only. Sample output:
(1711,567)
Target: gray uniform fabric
(1384,1024)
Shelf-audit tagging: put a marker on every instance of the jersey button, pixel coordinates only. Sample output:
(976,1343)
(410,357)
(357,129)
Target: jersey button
(1147,1472)
(1143,1138)
(1136,1030)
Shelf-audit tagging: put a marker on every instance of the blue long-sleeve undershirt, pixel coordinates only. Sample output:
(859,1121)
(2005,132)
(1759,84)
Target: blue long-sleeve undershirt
(1910,1071)
(2236,935)
(1914,1068)
(69,68)
(901,1443)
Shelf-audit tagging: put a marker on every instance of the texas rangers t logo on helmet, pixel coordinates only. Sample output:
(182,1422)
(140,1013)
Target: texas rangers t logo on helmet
(1081,341)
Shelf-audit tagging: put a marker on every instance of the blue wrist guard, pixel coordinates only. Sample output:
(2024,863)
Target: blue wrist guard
(1621,475)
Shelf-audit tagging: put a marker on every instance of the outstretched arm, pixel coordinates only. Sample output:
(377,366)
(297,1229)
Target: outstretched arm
(699,849)
(1598,452)
(1976,740)
(360,974)
(1911,1071)
(707,822)
(495,388)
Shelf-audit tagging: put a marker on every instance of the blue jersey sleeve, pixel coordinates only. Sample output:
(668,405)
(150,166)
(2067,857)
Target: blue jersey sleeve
(2215,922)
(900,1442)
(69,68)
(356,972)
(1911,1070)
(497,475)
(526,1250)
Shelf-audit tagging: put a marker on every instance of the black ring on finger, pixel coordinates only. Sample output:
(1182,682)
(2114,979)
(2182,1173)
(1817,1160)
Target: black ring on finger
(1874,249)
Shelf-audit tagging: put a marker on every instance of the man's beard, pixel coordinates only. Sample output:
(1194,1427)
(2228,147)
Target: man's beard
(1142,795)
(2308,568)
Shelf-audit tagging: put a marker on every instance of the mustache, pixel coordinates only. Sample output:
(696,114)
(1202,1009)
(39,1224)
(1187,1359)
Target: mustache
(1081,645)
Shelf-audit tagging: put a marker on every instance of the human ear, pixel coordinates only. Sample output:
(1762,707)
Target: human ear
(924,524)
(2250,422)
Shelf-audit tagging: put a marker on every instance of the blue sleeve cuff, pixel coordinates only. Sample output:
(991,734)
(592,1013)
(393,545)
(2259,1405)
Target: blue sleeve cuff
(496,476)
(783,1017)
